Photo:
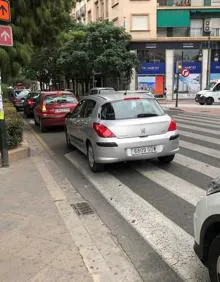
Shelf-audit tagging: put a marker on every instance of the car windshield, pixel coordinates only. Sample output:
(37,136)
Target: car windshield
(210,86)
(60,99)
(130,108)
(33,95)
(107,91)
(22,93)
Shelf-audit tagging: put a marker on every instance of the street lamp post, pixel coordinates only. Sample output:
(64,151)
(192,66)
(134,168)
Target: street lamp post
(209,59)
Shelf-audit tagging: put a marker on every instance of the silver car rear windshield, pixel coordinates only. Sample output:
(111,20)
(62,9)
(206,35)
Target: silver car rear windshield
(131,108)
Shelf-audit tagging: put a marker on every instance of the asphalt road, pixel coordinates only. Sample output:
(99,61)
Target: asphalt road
(148,206)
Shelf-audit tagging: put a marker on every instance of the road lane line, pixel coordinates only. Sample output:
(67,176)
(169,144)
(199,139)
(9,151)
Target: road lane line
(197,117)
(199,124)
(176,185)
(201,149)
(166,238)
(197,128)
(198,166)
(200,137)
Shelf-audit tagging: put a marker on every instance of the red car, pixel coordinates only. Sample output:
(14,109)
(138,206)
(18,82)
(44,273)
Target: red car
(52,108)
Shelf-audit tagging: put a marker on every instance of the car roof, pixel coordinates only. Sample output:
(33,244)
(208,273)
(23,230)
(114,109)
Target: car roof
(102,88)
(119,96)
(48,93)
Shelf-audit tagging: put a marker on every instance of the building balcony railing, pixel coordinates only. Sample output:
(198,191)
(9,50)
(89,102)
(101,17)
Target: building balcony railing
(215,32)
(194,32)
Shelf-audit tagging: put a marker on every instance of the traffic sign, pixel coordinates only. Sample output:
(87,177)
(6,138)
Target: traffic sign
(185,72)
(6,36)
(5,13)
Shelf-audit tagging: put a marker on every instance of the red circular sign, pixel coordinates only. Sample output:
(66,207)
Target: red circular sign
(185,72)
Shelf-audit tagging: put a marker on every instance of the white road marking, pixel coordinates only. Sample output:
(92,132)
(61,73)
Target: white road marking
(93,256)
(199,166)
(198,128)
(178,186)
(196,123)
(201,149)
(199,118)
(167,238)
(200,137)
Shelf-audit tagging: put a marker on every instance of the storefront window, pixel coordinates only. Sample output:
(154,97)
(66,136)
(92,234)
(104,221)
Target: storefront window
(148,56)
(189,59)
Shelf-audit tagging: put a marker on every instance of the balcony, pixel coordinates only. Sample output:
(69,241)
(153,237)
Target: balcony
(196,32)
(178,3)
(215,32)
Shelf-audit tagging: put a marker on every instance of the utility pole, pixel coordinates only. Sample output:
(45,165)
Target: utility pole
(6,39)
(178,68)
(209,59)
(3,133)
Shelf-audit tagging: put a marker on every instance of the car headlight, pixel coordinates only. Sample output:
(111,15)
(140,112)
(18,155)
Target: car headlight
(213,187)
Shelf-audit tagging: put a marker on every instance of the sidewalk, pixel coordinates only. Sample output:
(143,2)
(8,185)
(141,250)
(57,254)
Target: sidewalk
(191,106)
(42,238)
(34,242)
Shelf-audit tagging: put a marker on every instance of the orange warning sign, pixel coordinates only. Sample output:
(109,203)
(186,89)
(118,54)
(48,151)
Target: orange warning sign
(5,14)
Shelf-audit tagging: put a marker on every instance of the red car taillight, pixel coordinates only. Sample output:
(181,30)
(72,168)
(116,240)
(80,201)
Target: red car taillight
(43,108)
(172,125)
(30,102)
(103,131)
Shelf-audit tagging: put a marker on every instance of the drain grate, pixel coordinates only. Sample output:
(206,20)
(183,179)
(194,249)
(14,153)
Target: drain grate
(82,208)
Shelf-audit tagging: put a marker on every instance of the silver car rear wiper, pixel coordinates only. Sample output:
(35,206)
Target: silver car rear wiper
(146,115)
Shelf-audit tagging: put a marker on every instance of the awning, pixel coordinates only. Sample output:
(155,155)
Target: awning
(173,18)
(205,11)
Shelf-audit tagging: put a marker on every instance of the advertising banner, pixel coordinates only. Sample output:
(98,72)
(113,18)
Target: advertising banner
(152,68)
(190,85)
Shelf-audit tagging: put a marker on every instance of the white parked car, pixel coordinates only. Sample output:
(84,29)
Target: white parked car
(207,230)
(209,95)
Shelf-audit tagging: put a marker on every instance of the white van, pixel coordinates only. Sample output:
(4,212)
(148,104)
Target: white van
(209,95)
(207,230)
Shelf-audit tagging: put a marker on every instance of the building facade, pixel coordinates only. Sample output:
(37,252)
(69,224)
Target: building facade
(165,34)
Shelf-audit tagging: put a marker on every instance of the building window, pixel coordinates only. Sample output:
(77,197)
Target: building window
(115,2)
(89,16)
(197,3)
(182,3)
(139,22)
(196,27)
(180,32)
(215,2)
(162,32)
(106,9)
(162,2)
(96,11)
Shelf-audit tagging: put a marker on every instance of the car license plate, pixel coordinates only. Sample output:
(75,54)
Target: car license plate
(143,150)
(65,110)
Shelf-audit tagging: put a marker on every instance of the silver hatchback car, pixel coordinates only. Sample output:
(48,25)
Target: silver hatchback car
(111,128)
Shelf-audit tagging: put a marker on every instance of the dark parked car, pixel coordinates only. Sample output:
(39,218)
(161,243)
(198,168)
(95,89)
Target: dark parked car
(52,108)
(30,103)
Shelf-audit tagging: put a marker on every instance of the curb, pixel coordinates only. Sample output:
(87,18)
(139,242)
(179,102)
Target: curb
(19,153)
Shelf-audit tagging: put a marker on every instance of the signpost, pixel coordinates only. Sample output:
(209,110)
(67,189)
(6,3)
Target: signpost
(5,13)
(185,72)
(179,71)
(6,39)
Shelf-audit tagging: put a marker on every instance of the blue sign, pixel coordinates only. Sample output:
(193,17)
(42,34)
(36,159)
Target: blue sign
(152,68)
(194,67)
(215,67)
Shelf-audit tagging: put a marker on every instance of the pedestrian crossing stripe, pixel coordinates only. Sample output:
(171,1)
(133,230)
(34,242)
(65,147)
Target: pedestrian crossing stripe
(170,240)
(198,120)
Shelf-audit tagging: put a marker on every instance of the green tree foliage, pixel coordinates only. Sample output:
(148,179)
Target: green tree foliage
(36,25)
(97,48)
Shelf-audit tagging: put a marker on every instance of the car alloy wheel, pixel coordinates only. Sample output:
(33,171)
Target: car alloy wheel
(95,167)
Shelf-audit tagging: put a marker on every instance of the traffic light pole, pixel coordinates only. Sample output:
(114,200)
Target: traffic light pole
(177,88)
(3,132)
(209,60)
